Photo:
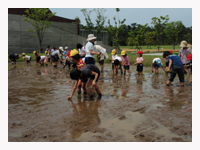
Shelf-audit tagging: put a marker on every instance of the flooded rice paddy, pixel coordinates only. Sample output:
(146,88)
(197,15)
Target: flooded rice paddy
(132,109)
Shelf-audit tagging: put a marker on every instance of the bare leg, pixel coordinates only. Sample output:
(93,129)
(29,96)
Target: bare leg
(129,72)
(90,88)
(168,82)
(101,67)
(79,86)
(97,89)
(84,87)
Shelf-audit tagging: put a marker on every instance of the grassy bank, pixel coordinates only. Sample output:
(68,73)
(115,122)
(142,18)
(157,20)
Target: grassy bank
(167,47)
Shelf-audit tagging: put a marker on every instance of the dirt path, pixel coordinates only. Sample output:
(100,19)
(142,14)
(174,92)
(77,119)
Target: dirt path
(137,109)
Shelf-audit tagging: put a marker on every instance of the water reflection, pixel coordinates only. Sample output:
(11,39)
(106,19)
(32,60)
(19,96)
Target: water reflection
(177,98)
(125,86)
(85,116)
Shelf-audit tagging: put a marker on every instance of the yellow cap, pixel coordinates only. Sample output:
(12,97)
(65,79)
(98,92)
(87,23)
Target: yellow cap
(74,52)
(123,52)
(113,51)
(45,52)
(23,54)
(23,57)
(34,52)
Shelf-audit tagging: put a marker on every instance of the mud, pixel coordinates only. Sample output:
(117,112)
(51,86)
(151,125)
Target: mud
(132,109)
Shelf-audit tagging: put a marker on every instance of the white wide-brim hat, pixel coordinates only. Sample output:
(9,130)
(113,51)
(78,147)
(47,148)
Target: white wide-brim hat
(184,44)
(61,48)
(91,37)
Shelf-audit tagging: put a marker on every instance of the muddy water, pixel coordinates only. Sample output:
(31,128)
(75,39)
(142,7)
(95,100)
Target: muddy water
(135,109)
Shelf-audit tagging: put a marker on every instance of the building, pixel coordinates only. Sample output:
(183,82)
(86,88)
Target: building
(63,32)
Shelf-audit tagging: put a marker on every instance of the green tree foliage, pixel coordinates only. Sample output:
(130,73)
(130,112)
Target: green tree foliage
(100,20)
(149,38)
(172,31)
(39,18)
(89,25)
(159,25)
(116,30)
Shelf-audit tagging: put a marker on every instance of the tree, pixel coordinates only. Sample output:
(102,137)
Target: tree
(159,25)
(89,25)
(149,38)
(114,31)
(39,18)
(100,20)
(172,31)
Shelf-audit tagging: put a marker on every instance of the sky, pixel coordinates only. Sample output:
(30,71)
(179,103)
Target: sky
(132,15)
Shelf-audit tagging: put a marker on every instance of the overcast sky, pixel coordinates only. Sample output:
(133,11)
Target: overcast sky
(132,15)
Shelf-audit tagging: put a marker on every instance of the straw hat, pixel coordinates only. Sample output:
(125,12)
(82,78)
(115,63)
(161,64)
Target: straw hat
(91,37)
(61,48)
(123,52)
(184,44)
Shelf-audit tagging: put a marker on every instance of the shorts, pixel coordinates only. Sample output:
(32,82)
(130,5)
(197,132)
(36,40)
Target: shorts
(139,67)
(89,60)
(116,62)
(175,70)
(92,77)
(54,58)
(37,59)
(127,67)
(101,62)
(155,65)
(12,59)
(67,62)
(167,64)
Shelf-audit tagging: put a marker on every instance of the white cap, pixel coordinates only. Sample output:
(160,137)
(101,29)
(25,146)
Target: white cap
(66,47)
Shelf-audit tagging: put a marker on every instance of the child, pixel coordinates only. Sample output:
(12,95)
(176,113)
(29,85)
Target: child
(116,60)
(13,57)
(35,56)
(68,60)
(48,55)
(42,60)
(81,49)
(176,65)
(125,62)
(88,71)
(167,63)
(102,56)
(156,64)
(190,65)
(26,57)
(55,56)
(139,62)
(78,63)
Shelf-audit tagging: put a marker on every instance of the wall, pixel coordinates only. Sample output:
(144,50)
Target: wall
(59,34)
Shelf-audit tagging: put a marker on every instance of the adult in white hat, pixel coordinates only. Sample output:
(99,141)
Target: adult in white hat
(55,56)
(89,47)
(184,52)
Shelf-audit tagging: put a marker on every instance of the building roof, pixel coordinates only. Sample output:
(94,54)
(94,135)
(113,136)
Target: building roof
(21,11)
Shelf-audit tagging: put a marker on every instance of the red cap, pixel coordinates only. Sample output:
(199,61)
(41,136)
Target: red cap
(189,57)
(139,52)
(68,54)
(170,51)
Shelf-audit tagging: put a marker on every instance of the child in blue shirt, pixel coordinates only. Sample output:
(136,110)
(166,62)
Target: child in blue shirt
(176,66)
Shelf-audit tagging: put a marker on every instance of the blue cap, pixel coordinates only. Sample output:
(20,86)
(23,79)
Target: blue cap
(158,62)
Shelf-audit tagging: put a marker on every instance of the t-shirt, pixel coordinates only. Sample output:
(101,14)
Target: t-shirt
(183,53)
(14,55)
(42,57)
(89,46)
(27,57)
(99,48)
(158,61)
(87,70)
(176,60)
(80,64)
(139,60)
(65,53)
(114,57)
(126,60)
(81,50)
(56,53)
